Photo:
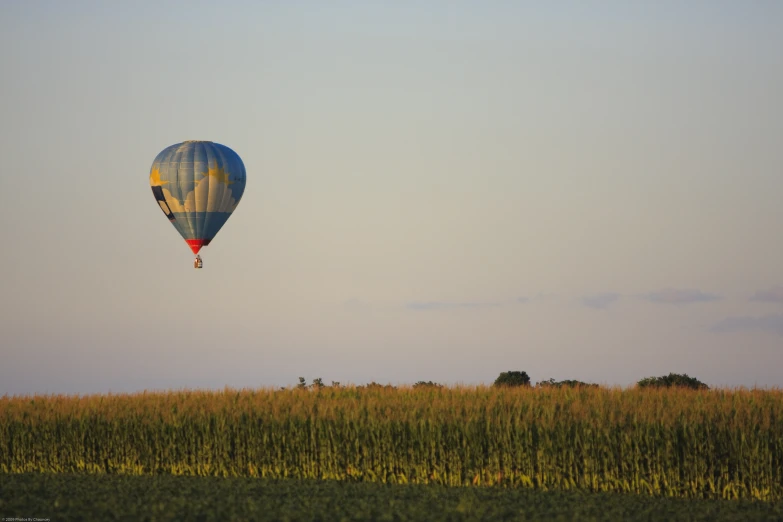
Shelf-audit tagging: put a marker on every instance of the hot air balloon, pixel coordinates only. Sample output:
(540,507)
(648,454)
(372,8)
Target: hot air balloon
(197,184)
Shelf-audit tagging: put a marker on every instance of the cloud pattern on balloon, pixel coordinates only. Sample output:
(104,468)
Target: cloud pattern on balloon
(212,193)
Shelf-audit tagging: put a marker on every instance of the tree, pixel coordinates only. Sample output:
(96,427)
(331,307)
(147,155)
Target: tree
(423,384)
(569,383)
(375,386)
(513,378)
(317,384)
(673,379)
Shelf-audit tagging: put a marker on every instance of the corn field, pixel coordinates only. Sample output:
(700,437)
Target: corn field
(664,442)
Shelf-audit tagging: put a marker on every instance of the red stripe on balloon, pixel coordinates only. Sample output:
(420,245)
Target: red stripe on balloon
(196,244)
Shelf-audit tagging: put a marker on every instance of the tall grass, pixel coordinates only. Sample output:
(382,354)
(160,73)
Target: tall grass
(667,442)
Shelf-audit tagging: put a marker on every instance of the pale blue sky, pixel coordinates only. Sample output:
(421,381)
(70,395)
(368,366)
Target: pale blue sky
(436,191)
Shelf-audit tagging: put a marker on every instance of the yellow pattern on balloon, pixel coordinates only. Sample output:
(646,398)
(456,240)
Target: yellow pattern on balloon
(219,174)
(155,180)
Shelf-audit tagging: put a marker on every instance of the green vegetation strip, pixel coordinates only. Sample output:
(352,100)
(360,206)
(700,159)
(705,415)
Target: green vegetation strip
(658,442)
(169,498)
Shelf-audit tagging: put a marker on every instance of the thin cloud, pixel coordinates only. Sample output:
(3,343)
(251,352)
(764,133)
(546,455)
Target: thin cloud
(438,305)
(675,296)
(769,323)
(600,301)
(356,304)
(773,295)
(537,297)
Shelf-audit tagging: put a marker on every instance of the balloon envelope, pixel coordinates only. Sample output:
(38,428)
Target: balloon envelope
(197,184)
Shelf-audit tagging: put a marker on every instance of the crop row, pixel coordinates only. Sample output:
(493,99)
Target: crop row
(667,442)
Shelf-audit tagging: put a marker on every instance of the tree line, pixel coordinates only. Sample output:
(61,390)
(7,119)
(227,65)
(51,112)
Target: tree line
(518,378)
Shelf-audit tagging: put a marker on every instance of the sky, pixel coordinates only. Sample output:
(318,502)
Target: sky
(585,190)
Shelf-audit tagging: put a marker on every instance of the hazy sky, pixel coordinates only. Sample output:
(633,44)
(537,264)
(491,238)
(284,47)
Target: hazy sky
(436,191)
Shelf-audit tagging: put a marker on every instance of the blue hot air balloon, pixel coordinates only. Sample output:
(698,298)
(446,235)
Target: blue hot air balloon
(197,184)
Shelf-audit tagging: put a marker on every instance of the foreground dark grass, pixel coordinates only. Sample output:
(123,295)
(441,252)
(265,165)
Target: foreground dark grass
(666,443)
(78,497)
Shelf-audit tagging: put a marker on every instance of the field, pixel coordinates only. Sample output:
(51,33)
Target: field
(659,444)
(160,498)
